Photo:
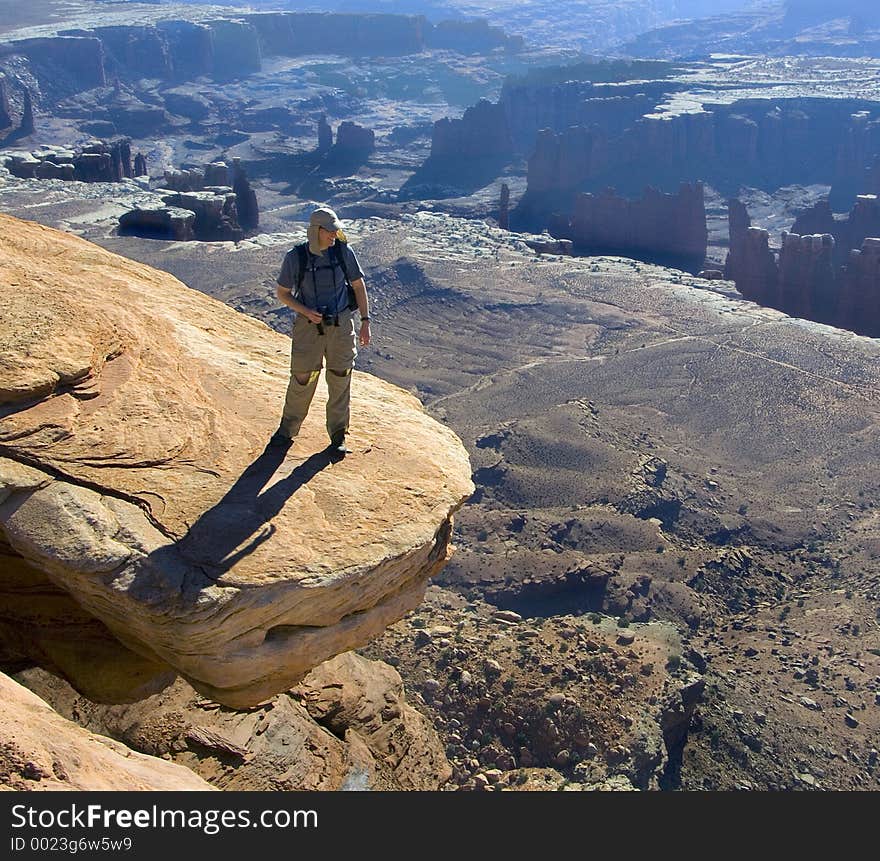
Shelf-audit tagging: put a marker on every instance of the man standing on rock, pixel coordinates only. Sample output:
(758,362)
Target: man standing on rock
(322,281)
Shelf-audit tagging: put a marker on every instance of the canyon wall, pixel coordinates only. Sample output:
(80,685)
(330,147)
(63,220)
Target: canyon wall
(234,46)
(762,144)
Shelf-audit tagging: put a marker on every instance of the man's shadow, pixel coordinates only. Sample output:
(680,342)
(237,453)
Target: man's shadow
(244,514)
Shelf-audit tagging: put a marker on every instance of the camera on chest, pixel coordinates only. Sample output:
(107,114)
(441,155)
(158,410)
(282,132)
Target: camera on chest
(327,320)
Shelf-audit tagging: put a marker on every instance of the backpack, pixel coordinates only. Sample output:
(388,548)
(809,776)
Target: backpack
(336,252)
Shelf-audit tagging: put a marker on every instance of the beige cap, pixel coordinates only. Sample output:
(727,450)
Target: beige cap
(323,217)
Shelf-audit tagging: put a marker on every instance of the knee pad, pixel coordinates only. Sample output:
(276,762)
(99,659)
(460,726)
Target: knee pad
(305,379)
(344,373)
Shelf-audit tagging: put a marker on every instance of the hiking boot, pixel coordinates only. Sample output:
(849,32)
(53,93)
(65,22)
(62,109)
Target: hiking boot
(280,440)
(337,446)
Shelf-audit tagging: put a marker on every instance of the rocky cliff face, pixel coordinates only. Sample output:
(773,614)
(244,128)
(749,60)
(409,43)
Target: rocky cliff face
(236,49)
(825,269)
(226,48)
(128,49)
(562,163)
(482,131)
(345,726)
(5,110)
(773,144)
(100,161)
(191,47)
(657,225)
(471,36)
(863,221)
(530,107)
(135,481)
(69,63)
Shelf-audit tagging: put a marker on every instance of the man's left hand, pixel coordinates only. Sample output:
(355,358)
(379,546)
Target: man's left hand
(365,333)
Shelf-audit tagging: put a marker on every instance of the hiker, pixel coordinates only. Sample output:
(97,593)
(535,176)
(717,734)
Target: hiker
(322,281)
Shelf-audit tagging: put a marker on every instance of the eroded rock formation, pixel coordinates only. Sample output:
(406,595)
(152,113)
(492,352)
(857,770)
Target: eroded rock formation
(504,207)
(561,163)
(658,224)
(214,202)
(162,222)
(346,725)
(135,480)
(5,111)
(99,161)
(482,131)
(863,221)
(826,269)
(352,138)
(26,126)
(245,200)
(750,262)
(325,134)
(44,751)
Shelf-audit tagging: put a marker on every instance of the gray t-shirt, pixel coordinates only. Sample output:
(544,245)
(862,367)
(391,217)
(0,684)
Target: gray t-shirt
(323,284)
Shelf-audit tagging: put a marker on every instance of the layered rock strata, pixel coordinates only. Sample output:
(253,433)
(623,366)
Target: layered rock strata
(136,480)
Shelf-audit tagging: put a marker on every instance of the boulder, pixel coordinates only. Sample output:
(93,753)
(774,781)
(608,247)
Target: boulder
(135,477)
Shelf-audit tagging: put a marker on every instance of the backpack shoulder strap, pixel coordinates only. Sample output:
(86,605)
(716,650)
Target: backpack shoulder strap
(303,251)
(340,257)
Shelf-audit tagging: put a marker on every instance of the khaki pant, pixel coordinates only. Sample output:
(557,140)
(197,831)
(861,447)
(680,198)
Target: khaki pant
(339,345)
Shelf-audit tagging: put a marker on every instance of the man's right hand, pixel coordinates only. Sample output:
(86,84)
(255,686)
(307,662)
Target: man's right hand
(313,316)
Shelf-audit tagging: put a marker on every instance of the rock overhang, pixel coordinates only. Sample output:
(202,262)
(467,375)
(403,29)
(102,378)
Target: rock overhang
(134,414)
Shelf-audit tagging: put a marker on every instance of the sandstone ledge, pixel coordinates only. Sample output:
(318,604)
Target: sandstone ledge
(133,477)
